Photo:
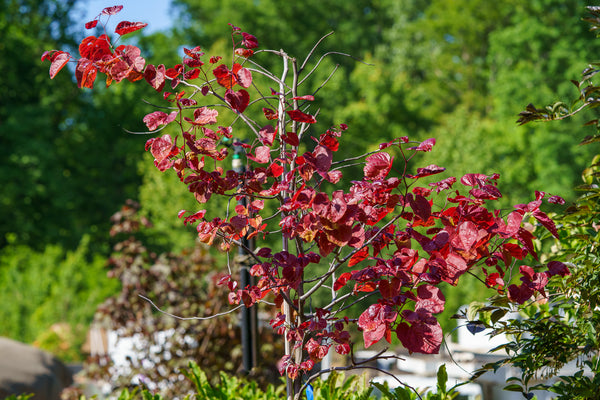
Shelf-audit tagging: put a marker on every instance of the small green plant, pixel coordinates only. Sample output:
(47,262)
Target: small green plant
(407,393)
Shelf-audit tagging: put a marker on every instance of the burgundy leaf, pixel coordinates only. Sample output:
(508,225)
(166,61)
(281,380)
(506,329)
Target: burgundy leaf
(267,135)
(112,10)
(358,256)
(262,154)
(249,40)
(378,166)
(91,24)
(205,116)
(421,336)
(155,76)
(556,200)
(426,145)
(375,322)
(444,184)
(420,206)
(486,192)
(157,118)
(427,171)
(59,60)
(558,268)
(270,114)
(543,219)
(520,294)
(430,298)
(473,180)
(125,27)
(237,100)
(244,77)
(291,138)
(297,115)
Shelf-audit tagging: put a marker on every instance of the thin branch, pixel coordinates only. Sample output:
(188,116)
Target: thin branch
(189,318)
(328,54)
(313,50)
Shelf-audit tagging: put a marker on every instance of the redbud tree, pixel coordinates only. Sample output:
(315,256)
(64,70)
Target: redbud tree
(385,238)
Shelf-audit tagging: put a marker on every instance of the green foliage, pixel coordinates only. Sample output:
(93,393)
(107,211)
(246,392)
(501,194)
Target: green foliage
(407,393)
(39,289)
(337,386)
(19,397)
(563,327)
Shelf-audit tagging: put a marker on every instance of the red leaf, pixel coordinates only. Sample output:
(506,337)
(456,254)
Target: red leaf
(543,219)
(341,281)
(205,116)
(112,10)
(262,154)
(420,206)
(520,294)
(237,100)
(59,60)
(291,138)
(224,76)
(308,97)
(155,76)
(426,145)
(466,236)
(427,171)
(270,114)
(473,180)
(526,238)
(157,118)
(125,27)
(558,268)
(375,322)
(162,147)
(267,135)
(378,165)
(430,298)
(556,200)
(512,225)
(244,77)
(85,73)
(444,184)
(193,218)
(487,192)
(249,40)
(91,24)
(358,256)
(421,337)
(246,53)
(275,170)
(299,116)
(95,48)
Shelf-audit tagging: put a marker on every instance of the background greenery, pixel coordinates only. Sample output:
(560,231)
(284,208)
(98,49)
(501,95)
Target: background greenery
(458,71)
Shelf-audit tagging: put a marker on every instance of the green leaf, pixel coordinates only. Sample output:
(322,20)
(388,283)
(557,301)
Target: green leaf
(442,379)
(513,388)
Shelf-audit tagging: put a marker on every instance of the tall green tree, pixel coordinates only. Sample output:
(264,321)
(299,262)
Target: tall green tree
(69,163)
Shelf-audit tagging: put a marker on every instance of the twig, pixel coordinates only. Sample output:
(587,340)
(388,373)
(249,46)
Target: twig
(189,318)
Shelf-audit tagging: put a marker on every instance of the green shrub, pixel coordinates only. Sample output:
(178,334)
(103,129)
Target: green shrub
(40,289)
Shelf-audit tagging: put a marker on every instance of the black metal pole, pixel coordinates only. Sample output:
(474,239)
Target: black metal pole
(248,314)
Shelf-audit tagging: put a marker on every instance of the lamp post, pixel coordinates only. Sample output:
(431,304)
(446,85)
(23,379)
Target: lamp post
(248,321)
